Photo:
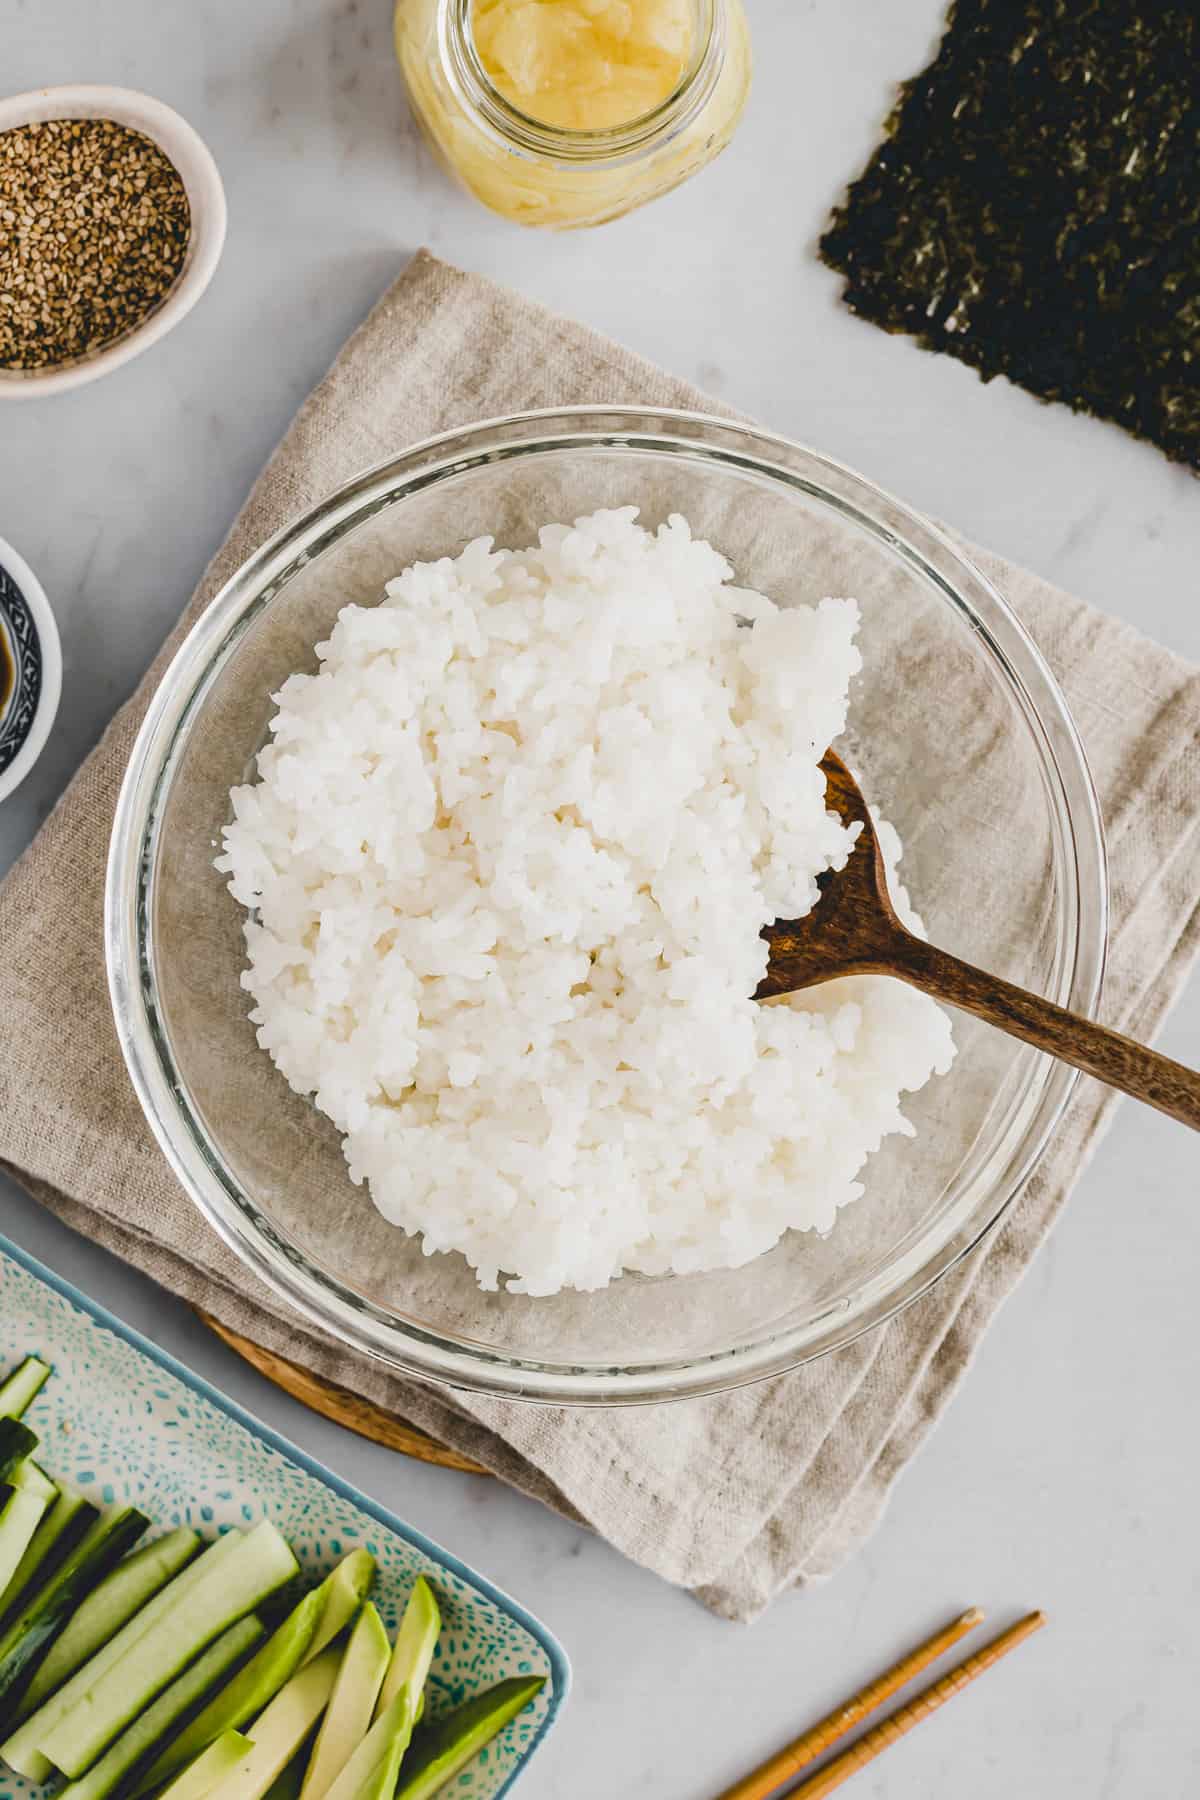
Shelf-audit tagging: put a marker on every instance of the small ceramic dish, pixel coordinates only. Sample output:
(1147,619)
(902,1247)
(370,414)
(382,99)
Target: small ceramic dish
(30,669)
(206,198)
(127,1425)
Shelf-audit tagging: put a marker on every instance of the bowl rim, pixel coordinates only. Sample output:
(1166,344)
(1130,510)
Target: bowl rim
(182,144)
(50,646)
(323,1298)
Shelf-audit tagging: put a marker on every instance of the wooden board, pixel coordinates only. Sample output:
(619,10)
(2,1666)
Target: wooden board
(339,1404)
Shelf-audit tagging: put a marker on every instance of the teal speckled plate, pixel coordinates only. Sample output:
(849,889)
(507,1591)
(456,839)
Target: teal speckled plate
(128,1424)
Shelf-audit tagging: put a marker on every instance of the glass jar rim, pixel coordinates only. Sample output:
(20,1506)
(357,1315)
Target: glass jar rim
(520,133)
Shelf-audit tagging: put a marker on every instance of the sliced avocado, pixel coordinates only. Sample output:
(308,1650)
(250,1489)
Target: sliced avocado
(380,1784)
(343,1592)
(415,1643)
(287,1786)
(449,1744)
(384,1745)
(278,1732)
(351,1705)
(210,1768)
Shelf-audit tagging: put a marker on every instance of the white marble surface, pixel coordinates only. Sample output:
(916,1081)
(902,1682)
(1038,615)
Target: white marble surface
(1066,1474)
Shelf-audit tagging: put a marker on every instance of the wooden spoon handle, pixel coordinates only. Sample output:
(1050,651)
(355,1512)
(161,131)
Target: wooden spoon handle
(1095,1049)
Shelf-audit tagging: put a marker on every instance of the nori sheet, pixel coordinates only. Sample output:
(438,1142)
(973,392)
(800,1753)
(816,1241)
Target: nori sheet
(1035,208)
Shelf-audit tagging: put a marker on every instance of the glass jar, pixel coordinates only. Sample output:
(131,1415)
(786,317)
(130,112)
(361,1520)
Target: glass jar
(542,174)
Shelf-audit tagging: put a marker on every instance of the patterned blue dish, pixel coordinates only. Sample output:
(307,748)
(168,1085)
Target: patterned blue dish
(20,669)
(30,668)
(127,1424)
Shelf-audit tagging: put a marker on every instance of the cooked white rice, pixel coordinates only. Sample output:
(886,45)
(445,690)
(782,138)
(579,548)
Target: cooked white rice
(507,860)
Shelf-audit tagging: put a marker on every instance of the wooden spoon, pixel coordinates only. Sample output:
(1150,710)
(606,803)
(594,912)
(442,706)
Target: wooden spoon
(854,930)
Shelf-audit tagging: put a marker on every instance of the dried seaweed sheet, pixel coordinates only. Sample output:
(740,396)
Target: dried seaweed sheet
(1035,208)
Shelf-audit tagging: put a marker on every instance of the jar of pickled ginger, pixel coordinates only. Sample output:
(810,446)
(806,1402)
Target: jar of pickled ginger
(570,112)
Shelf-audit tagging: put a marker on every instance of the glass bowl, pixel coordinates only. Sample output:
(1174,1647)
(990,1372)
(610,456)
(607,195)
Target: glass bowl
(961,736)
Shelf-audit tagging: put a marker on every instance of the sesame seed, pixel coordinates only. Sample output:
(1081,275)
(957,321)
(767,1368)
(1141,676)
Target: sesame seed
(94,228)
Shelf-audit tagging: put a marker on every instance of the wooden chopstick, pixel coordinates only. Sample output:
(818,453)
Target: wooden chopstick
(869,1745)
(813,1743)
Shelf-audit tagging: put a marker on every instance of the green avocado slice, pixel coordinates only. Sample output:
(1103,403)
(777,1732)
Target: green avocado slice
(348,1715)
(210,1768)
(343,1592)
(416,1641)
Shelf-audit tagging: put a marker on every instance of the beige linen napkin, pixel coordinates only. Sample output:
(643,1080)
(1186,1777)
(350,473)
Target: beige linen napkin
(734,1497)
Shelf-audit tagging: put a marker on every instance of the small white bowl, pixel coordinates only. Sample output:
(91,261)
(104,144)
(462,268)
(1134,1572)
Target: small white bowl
(32,640)
(206,198)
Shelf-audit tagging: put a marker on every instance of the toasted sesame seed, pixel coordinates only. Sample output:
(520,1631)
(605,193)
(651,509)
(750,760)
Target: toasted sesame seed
(94,228)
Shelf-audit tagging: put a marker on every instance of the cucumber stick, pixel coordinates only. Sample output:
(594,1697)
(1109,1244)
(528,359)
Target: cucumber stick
(33,1480)
(38,1620)
(254,1568)
(416,1641)
(343,1591)
(107,1607)
(41,1616)
(384,1745)
(243,1698)
(22,1386)
(137,1742)
(279,1732)
(324,1612)
(64,1523)
(19,1520)
(210,1768)
(351,1705)
(453,1741)
(21,1751)
(16,1443)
